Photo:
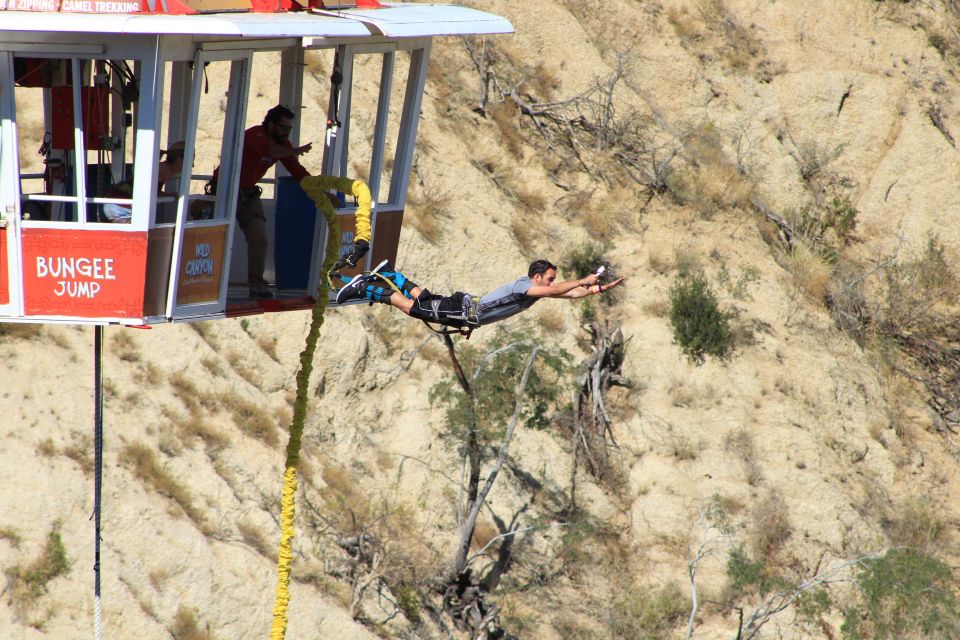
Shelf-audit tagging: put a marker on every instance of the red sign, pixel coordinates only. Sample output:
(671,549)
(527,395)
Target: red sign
(97,6)
(84,274)
(4,271)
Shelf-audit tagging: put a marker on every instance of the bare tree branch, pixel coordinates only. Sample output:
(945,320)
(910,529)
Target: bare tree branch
(466,532)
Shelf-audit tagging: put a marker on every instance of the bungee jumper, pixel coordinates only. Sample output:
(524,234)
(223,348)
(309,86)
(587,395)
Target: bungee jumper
(461,312)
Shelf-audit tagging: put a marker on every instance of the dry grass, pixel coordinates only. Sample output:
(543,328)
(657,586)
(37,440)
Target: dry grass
(657,308)
(197,425)
(213,365)
(711,182)
(427,208)
(506,117)
(159,577)
(483,533)
(344,498)
(47,448)
(682,394)
(567,625)
(125,346)
(186,626)
(685,26)
(686,259)
(524,233)
(382,323)
(361,171)
(741,444)
(658,261)
(58,336)
(738,45)
(15,331)
(771,525)
(284,415)
(500,173)
(598,222)
(142,462)
(268,344)
(544,82)
(551,322)
(208,332)
(252,419)
(254,537)
(810,275)
(10,535)
(148,375)
(435,353)
(81,452)
(919,523)
(244,369)
(187,391)
(680,446)
(602,215)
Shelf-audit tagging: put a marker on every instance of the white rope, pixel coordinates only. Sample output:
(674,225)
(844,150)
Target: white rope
(97,619)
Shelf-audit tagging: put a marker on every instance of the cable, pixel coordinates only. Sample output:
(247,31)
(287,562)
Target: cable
(98,471)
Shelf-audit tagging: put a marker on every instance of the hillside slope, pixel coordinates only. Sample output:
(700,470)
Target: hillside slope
(733,124)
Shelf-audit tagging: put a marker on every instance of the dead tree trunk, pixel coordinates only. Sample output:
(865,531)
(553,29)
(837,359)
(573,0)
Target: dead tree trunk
(592,426)
(472,444)
(466,531)
(464,598)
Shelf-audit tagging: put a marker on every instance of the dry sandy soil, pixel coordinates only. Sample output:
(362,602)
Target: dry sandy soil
(814,446)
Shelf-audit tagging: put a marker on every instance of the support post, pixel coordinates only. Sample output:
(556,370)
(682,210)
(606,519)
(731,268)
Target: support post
(97,472)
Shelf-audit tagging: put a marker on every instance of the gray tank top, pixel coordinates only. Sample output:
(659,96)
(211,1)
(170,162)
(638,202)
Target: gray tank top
(506,300)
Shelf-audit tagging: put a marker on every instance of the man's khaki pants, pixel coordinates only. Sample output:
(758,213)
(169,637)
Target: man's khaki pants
(253,223)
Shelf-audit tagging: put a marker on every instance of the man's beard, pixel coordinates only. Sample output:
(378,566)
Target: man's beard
(278,137)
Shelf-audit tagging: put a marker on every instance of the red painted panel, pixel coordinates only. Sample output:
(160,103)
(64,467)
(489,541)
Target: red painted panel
(4,271)
(84,274)
(94,102)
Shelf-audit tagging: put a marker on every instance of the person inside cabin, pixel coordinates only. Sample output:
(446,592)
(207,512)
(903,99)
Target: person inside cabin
(170,167)
(391,287)
(264,145)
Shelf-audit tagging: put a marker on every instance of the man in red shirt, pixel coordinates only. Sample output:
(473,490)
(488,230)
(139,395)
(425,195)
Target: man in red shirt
(264,145)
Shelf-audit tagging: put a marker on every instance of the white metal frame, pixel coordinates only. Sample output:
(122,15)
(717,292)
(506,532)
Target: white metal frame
(231,151)
(336,155)
(10,187)
(229,36)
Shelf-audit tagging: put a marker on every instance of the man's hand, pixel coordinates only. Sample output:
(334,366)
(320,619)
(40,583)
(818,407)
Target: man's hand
(304,149)
(610,285)
(589,280)
(360,248)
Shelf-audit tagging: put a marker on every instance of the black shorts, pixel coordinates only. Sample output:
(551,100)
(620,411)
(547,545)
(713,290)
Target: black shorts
(446,310)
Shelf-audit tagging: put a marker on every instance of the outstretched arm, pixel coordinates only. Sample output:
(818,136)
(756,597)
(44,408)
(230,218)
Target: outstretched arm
(591,290)
(560,289)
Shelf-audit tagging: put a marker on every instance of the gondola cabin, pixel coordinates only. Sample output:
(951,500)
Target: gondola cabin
(96,226)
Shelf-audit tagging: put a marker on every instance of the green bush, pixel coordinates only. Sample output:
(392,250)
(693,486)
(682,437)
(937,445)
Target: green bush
(747,574)
(906,593)
(586,259)
(700,327)
(409,602)
(27,584)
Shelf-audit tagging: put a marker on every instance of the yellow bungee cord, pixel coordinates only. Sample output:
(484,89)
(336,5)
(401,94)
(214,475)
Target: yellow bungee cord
(314,187)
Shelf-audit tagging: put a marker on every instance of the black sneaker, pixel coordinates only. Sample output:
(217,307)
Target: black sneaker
(353,290)
(260,291)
